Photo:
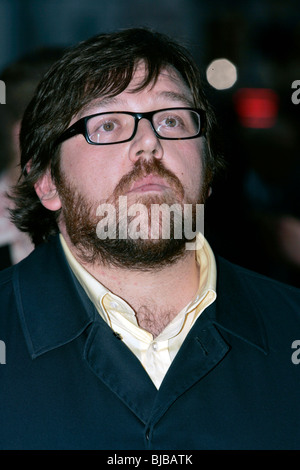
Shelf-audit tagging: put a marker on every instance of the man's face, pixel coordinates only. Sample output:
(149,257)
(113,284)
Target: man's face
(146,169)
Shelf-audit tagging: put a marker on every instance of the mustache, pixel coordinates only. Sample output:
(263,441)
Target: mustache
(144,168)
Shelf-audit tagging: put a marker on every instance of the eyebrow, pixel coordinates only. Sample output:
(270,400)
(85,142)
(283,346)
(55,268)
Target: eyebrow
(108,101)
(174,96)
(98,103)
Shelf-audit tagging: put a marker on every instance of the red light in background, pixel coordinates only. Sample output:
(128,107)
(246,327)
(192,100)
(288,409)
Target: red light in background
(256,107)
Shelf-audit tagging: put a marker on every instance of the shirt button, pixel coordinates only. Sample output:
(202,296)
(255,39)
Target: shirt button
(154,346)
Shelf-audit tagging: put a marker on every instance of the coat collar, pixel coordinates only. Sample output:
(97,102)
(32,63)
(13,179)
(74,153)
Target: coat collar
(54,308)
(237,310)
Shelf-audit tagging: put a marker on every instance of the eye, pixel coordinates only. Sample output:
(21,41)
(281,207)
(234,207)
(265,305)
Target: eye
(167,123)
(170,121)
(108,126)
(103,126)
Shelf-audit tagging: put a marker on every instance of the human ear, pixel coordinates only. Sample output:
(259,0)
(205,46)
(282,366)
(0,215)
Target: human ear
(46,191)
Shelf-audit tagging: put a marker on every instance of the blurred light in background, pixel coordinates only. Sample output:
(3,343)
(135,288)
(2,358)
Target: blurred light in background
(221,74)
(256,107)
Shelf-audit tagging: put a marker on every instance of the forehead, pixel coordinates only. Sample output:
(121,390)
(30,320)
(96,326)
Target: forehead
(169,87)
(166,74)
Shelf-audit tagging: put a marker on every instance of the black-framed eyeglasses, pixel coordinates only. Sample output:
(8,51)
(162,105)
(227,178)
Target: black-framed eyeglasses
(116,127)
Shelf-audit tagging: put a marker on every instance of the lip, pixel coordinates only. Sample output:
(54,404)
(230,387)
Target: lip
(149,183)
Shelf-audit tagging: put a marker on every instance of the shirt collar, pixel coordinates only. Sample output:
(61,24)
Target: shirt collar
(67,310)
(100,295)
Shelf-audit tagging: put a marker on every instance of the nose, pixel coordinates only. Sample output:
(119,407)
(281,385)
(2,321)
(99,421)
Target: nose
(145,143)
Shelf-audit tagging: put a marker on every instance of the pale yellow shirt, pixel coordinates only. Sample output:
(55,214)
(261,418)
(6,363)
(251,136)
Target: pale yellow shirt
(155,354)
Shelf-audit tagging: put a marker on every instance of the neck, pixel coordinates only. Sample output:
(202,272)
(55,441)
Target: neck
(156,296)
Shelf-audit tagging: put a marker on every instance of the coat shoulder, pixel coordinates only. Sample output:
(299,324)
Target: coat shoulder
(6,275)
(266,294)
(254,277)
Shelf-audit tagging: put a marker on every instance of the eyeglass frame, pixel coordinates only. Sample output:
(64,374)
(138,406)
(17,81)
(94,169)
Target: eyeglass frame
(80,127)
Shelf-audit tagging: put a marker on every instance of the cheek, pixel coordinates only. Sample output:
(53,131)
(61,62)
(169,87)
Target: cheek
(93,171)
(190,166)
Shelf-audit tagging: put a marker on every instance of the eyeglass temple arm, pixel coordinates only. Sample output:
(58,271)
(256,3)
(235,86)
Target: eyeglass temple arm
(77,128)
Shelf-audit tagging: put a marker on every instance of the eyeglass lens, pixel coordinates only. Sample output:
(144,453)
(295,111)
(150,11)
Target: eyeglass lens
(117,127)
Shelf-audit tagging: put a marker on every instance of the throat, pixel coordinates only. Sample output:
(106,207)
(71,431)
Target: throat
(153,320)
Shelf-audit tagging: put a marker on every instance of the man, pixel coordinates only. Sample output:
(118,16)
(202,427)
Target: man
(130,340)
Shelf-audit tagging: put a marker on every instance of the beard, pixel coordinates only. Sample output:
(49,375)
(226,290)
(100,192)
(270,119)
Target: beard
(144,252)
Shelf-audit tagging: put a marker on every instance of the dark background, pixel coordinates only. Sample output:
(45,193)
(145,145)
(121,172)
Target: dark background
(247,213)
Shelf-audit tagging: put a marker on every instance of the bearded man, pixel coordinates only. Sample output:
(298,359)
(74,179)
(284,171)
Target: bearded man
(118,335)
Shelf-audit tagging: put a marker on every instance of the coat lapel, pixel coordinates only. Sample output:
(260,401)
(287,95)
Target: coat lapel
(62,312)
(55,310)
(113,363)
(203,349)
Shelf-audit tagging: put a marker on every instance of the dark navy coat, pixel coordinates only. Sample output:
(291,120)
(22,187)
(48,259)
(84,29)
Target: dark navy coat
(68,383)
